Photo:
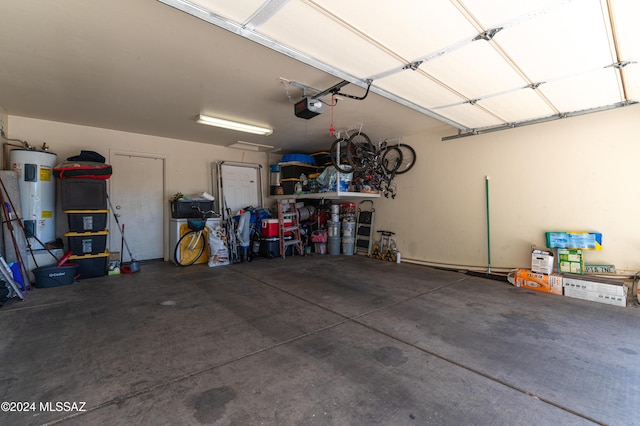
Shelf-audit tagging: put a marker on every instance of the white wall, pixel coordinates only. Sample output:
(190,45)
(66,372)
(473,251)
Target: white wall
(188,163)
(576,174)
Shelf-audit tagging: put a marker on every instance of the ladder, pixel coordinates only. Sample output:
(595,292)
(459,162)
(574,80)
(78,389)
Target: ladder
(364,229)
(287,212)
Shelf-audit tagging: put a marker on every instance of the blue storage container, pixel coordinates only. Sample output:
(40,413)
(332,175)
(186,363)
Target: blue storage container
(298,158)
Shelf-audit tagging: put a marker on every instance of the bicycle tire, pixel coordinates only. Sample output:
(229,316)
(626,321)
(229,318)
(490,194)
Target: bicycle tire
(408,157)
(359,149)
(394,250)
(361,138)
(186,252)
(339,155)
(392,159)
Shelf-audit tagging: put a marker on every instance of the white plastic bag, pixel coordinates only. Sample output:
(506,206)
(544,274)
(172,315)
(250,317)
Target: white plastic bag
(328,179)
(218,250)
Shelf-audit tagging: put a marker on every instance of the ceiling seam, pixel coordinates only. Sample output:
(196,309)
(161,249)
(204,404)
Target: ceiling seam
(607,14)
(498,48)
(503,54)
(265,12)
(208,16)
(356,31)
(460,44)
(612,35)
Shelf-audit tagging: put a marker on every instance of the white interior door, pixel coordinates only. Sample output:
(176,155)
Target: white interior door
(240,186)
(137,196)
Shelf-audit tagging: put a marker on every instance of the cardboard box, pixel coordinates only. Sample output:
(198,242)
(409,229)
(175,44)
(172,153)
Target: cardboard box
(596,297)
(545,283)
(574,240)
(570,261)
(542,261)
(606,286)
(600,269)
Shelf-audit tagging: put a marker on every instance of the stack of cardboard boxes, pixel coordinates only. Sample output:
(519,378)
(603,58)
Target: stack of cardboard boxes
(568,280)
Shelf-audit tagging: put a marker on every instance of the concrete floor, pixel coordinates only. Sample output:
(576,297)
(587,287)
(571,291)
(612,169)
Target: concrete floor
(327,340)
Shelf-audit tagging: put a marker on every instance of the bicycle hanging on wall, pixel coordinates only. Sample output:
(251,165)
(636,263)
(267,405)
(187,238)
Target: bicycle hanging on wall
(373,166)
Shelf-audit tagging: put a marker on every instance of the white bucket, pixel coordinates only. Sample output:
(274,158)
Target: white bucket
(334,229)
(344,181)
(321,248)
(348,229)
(348,246)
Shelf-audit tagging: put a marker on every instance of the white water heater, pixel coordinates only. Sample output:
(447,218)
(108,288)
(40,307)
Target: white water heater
(37,187)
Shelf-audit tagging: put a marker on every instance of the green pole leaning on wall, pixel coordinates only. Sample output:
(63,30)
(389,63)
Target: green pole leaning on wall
(488,225)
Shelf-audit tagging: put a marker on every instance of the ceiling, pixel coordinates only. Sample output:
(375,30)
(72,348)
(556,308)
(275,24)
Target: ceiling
(151,67)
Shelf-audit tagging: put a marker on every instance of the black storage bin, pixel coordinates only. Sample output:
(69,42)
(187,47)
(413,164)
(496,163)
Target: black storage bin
(87,220)
(183,209)
(83,194)
(289,171)
(82,243)
(289,186)
(91,265)
(322,158)
(270,247)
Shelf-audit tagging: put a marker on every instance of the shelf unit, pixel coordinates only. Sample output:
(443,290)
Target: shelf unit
(329,195)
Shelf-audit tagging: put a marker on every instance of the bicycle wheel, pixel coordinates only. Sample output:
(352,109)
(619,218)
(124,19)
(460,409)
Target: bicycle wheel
(408,157)
(339,155)
(359,151)
(392,159)
(189,248)
(393,255)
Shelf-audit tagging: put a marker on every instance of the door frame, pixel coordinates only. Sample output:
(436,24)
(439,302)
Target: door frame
(217,187)
(165,206)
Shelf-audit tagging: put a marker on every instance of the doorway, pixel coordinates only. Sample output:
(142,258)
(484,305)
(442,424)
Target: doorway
(239,185)
(136,191)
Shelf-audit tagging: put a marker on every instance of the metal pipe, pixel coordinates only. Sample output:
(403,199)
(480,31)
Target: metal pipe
(488,225)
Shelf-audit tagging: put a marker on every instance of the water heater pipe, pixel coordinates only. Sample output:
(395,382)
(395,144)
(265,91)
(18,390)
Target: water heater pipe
(488,225)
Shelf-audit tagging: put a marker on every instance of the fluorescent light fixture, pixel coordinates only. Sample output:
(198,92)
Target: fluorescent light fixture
(250,146)
(233,125)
